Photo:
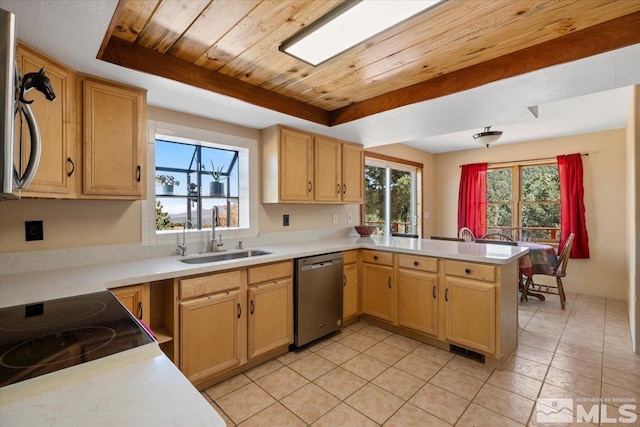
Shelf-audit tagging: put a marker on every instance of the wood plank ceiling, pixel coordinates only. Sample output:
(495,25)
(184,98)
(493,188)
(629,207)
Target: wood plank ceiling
(231,47)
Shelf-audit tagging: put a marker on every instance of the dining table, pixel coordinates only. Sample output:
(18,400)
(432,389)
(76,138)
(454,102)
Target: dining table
(541,259)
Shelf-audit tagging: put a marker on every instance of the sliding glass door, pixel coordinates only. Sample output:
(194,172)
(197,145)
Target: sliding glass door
(391,192)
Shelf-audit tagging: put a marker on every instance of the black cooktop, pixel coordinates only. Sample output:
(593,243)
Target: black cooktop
(36,339)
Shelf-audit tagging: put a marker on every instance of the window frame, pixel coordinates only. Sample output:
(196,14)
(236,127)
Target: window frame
(516,197)
(247,182)
(416,169)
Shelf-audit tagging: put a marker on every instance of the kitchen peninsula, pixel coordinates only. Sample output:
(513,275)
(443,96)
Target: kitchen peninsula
(472,288)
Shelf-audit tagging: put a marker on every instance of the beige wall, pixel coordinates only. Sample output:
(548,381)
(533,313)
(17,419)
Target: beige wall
(69,223)
(428,178)
(604,183)
(633,215)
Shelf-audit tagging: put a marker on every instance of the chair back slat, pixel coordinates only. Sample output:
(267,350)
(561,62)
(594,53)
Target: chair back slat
(466,234)
(563,258)
(496,236)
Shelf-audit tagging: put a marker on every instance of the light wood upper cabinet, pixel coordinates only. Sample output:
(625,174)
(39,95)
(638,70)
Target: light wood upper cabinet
(113,139)
(56,173)
(136,299)
(328,162)
(299,167)
(352,173)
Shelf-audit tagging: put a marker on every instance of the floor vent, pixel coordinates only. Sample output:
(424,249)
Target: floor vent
(470,354)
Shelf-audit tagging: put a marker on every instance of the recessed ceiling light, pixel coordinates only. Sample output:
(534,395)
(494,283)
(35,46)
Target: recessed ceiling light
(349,25)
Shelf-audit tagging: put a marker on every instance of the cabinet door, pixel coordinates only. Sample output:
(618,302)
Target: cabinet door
(270,316)
(295,157)
(352,173)
(350,291)
(377,291)
(136,299)
(209,340)
(328,163)
(471,314)
(56,173)
(418,301)
(113,139)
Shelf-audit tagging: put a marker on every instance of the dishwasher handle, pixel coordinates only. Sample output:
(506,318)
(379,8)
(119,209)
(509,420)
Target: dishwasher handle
(321,264)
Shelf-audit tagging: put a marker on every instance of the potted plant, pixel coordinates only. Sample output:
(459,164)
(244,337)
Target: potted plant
(216,187)
(167,182)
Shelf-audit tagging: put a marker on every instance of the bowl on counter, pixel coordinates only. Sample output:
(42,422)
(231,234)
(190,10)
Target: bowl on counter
(365,230)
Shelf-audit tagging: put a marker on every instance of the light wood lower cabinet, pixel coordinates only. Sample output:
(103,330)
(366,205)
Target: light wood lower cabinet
(471,314)
(270,316)
(136,299)
(350,286)
(209,332)
(418,301)
(377,290)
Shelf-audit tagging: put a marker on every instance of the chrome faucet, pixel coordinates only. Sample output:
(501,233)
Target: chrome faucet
(183,247)
(215,221)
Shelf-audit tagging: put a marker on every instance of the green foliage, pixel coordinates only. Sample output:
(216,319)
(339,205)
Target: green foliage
(216,173)
(163,220)
(540,193)
(167,180)
(375,187)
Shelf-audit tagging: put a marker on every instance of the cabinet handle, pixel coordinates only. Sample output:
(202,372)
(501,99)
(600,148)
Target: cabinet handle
(239,310)
(140,310)
(344,188)
(434,291)
(446,294)
(138,173)
(309,187)
(389,282)
(73,166)
(253,307)
(416,263)
(338,188)
(344,280)
(467,270)
(375,257)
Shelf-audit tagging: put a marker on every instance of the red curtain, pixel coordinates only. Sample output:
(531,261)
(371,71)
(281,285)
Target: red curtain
(572,218)
(472,198)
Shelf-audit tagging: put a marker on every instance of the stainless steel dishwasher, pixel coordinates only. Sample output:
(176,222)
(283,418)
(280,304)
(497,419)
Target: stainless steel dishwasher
(317,297)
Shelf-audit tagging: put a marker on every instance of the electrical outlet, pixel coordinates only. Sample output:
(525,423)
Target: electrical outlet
(285,220)
(334,219)
(33,230)
(349,218)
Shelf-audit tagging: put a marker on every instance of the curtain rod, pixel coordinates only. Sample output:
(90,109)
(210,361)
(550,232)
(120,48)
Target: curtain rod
(529,160)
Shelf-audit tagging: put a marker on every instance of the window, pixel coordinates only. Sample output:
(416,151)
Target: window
(391,196)
(524,201)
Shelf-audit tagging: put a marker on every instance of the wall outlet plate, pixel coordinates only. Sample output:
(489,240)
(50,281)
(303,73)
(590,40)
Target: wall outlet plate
(349,218)
(334,219)
(33,230)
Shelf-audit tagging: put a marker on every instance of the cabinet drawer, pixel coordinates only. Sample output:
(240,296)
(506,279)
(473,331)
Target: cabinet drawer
(350,256)
(486,273)
(265,273)
(418,263)
(376,257)
(211,284)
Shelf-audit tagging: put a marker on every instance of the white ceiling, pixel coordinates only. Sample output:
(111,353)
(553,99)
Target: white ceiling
(583,96)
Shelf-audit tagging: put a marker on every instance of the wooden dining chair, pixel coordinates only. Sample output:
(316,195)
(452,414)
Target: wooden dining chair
(466,234)
(496,236)
(497,242)
(558,271)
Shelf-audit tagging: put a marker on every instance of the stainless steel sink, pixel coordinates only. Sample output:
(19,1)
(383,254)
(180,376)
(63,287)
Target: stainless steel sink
(224,257)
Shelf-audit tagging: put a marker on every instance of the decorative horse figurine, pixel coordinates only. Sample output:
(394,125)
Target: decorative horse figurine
(38,81)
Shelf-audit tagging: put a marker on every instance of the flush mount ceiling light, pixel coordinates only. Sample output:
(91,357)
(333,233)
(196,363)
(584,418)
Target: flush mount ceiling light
(348,25)
(487,136)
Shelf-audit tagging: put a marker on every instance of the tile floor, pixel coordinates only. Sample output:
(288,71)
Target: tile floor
(366,376)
